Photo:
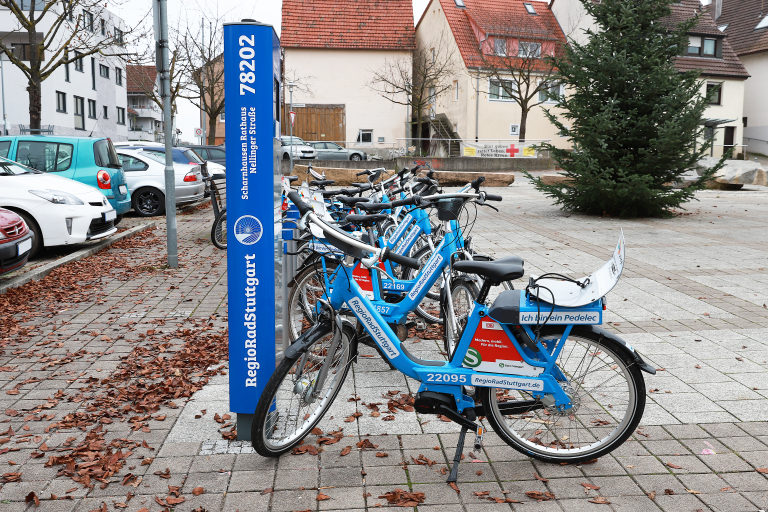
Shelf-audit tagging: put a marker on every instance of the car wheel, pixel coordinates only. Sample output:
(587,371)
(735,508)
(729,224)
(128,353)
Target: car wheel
(148,202)
(355,157)
(37,243)
(286,157)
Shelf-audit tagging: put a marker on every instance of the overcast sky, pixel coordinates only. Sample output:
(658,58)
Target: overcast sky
(265,11)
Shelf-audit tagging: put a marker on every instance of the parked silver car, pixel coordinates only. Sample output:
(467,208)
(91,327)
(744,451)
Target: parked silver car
(299,148)
(145,175)
(332,151)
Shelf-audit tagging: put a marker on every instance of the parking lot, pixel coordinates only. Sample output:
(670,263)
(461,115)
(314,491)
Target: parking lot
(691,300)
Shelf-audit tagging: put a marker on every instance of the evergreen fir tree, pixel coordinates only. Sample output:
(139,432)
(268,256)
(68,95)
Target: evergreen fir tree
(633,119)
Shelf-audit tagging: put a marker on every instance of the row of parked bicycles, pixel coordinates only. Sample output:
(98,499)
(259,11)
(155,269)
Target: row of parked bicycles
(381,257)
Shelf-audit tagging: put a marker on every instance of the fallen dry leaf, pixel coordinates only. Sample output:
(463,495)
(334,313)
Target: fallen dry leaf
(599,500)
(542,479)
(401,498)
(346,450)
(32,498)
(197,491)
(322,497)
(674,466)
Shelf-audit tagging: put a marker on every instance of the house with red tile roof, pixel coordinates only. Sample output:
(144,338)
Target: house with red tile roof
(146,118)
(332,49)
(710,51)
(745,22)
(477,109)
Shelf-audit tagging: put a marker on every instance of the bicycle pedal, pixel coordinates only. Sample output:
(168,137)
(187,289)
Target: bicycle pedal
(479,438)
(421,325)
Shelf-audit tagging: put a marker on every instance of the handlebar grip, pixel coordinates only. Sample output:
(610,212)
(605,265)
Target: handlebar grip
(400,259)
(299,202)
(415,200)
(403,172)
(423,180)
(476,184)
(431,173)
(363,172)
(492,197)
(395,191)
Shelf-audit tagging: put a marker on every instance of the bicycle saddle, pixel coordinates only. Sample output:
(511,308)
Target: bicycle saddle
(342,192)
(366,220)
(375,207)
(291,179)
(321,183)
(351,201)
(496,271)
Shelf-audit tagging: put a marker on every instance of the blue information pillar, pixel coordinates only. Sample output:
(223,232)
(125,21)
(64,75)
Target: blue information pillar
(252,92)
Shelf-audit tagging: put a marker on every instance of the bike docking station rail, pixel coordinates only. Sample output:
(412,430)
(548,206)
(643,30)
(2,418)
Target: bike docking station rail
(256,268)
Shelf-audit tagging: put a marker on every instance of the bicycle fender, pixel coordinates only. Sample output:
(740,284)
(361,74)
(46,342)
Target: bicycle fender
(307,339)
(313,335)
(629,351)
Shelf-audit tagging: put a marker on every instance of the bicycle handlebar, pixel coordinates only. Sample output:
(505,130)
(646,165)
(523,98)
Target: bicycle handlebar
(400,259)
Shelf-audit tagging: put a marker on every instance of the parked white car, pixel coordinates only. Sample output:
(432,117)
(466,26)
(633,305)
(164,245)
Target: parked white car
(300,149)
(145,176)
(59,211)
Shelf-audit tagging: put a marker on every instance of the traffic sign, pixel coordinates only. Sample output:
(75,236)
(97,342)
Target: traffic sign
(198,132)
(293,116)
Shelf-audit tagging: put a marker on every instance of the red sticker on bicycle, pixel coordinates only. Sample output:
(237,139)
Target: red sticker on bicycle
(492,351)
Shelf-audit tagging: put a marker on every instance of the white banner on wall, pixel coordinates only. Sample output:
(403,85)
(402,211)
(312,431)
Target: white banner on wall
(498,150)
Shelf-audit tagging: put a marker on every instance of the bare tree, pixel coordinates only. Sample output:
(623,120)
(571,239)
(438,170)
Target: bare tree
(145,72)
(417,80)
(517,58)
(202,55)
(51,34)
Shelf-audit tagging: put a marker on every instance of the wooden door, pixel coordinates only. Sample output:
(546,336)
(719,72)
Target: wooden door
(318,123)
(730,132)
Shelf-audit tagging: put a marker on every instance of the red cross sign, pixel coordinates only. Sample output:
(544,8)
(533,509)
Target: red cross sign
(512,150)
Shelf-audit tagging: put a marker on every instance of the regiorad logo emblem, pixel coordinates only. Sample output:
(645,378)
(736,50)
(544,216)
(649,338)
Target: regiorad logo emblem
(248,230)
(472,359)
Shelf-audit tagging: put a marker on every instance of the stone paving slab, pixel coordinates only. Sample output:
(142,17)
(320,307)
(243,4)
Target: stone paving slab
(691,301)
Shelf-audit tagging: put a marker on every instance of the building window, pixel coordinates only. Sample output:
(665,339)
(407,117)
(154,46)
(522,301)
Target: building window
(92,109)
(78,62)
(22,51)
(528,50)
(93,73)
(744,121)
(88,21)
(118,76)
(119,36)
(120,115)
(702,46)
(79,113)
(365,136)
(550,93)
(103,71)
(714,93)
(432,52)
(500,46)
(500,90)
(529,8)
(106,112)
(455,90)
(61,102)
(221,117)
(103,27)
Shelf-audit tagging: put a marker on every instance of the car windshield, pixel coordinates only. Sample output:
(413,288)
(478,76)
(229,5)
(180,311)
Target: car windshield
(156,156)
(105,154)
(192,156)
(10,168)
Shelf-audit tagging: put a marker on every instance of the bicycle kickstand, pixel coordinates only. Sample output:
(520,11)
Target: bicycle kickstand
(457,457)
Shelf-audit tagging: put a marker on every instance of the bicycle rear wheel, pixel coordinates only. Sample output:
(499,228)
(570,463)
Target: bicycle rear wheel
(306,288)
(287,412)
(219,230)
(606,388)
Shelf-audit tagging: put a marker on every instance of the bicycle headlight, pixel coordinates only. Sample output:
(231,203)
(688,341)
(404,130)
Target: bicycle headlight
(57,197)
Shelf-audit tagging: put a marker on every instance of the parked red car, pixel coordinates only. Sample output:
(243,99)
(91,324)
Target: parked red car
(15,241)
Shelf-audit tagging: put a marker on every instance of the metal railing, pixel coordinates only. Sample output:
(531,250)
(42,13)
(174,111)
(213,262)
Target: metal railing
(743,152)
(24,129)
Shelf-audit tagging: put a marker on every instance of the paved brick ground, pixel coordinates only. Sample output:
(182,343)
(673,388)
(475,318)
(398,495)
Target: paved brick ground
(692,295)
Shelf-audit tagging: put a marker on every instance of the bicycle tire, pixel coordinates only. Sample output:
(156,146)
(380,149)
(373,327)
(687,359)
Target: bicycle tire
(300,305)
(535,442)
(462,304)
(219,230)
(267,415)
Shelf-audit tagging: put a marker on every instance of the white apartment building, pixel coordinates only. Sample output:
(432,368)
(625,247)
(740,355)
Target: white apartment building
(83,98)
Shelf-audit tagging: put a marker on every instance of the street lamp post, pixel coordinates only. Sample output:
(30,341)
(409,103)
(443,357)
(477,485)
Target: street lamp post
(2,87)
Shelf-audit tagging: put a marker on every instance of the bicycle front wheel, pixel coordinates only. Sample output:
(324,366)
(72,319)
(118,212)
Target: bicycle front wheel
(290,406)
(219,230)
(606,389)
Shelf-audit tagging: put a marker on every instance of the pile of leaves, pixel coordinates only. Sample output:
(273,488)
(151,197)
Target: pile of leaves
(401,498)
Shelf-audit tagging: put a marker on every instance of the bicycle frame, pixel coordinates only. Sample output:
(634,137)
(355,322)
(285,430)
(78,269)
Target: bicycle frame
(449,376)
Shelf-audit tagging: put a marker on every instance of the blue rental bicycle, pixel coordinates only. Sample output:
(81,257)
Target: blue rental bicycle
(534,363)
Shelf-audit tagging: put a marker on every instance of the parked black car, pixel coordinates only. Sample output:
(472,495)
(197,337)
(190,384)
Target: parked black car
(215,154)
